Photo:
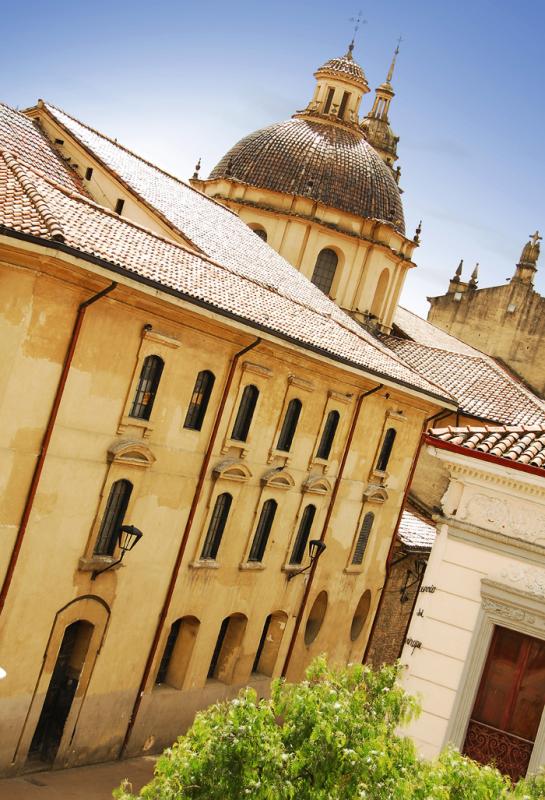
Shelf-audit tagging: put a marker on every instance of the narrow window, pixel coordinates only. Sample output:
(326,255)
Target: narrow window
(245,413)
(115,511)
(119,206)
(88,173)
(289,425)
(344,103)
(226,652)
(363,538)
(269,644)
(216,526)
(212,669)
(330,429)
(324,270)
(169,649)
(146,390)
(329,100)
(386,450)
(262,531)
(199,400)
(303,534)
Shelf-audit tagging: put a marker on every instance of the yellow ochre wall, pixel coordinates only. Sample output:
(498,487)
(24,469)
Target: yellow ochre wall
(39,294)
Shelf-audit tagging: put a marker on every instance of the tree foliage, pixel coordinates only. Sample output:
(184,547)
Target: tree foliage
(331,737)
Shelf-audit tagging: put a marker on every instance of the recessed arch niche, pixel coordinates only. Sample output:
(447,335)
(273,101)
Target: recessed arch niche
(360,615)
(316,617)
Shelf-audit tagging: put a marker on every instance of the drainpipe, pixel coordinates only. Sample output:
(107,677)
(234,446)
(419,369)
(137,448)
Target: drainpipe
(185,536)
(46,440)
(436,417)
(326,525)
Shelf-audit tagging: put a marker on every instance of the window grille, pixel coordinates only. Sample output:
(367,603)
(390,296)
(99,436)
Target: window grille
(330,429)
(146,390)
(303,534)
(324,270)
(115,511)
(199,400)
(245,413)
(263,530)
(289,425)
(386,450)
(169,649)
(363,538)
(216,526)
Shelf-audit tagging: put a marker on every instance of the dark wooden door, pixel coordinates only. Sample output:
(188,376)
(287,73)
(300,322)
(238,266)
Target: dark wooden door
(60,693)
(509,704)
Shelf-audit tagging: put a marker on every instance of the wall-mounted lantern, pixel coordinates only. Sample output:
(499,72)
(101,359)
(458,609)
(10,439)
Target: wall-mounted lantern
(129,535)
(315,549)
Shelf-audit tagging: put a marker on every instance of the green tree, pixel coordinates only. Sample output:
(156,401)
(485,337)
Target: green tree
(331,737)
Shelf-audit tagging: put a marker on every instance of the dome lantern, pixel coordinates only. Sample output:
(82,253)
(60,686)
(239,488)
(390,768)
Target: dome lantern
(376,124)
(340,86)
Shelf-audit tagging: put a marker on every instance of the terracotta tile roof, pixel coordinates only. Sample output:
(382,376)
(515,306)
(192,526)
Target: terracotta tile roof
(23,138)
(332,165)
(522,444)
(33,205)
(412,326)
(415,532)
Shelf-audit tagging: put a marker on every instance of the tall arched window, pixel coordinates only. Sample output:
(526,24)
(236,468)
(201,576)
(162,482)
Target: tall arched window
(363,538)
(386,450)
(224,658)
(303,534)
(330,429)
(199,400)
(146,390)
(245,413)
(177,653)
(263,530)
(269,644)
(218,520)
(114,514)
(324,270)
(380,293)
(289,425)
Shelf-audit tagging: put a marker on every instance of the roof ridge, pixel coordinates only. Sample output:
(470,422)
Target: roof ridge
(523,428)
(135,155)
(51,222)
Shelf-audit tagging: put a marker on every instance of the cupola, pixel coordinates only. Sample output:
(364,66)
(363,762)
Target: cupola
(376,124)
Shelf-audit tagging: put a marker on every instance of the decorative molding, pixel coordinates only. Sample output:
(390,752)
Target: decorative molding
(521,482)
(278,479)
(317,485)
(131,452)
(301,383)
(232,470)
(340,397)
(491,540)
(509,613)
(160,338)
(375,493)
(397,415)
(504,516)
(257,369)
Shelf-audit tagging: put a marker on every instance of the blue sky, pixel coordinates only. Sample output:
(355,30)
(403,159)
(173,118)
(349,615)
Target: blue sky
(179,80)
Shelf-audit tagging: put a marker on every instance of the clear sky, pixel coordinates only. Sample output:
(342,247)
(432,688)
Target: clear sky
(175,80)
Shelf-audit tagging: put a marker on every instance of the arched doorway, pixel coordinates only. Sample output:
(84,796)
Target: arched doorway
(60,693)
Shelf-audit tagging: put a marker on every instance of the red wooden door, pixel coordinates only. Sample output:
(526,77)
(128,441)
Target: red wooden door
(509,704)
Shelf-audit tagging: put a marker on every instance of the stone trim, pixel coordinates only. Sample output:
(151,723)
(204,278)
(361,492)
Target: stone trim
(160,338)
(495,542)
(301,383)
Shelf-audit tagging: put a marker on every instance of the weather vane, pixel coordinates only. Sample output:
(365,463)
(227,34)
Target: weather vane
(357,22)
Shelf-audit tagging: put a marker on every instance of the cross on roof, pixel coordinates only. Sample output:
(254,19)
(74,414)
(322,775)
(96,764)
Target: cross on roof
(535,237)
(357,22)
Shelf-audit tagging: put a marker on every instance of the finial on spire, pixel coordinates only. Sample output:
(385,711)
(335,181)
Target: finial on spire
(458,273)
(474,277)
(357,22)
(197,168)
(418,231)
(394,59)
(530,251)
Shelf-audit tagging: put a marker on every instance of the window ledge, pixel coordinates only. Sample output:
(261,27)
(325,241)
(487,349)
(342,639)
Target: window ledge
(95,563)
(380,476)
(319,462)
(291,567)
(353,569)
(274,454)
(134,422)
(205,563)
(242,447)
(252,565)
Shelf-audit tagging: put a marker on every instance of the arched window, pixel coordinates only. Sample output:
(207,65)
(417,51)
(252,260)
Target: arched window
(261,232)
(199,400)
(245,413)
(330,429)
(329,99)
(146,390)
(324,270)
(363,538)
(218,520)
(263,530)
(344,103)
(303,534)
(380,293)
(386,450)
(228,644)
(289,425)
(177,653)
(269,644)
(114,514)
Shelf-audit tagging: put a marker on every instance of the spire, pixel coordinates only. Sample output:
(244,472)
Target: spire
(527,266)
(394,59)
(473,281)
(376,124)
(458,273)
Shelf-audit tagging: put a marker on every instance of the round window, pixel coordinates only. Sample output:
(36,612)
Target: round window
(360,615)
(316,618)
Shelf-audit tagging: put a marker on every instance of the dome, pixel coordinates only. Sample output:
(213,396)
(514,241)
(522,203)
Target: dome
(332,164)
(345,68)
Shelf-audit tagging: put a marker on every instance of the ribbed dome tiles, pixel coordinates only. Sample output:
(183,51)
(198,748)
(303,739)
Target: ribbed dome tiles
(328,163)
(344,67)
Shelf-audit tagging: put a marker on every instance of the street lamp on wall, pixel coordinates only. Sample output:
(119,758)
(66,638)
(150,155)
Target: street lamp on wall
(129,536)
(315,549)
